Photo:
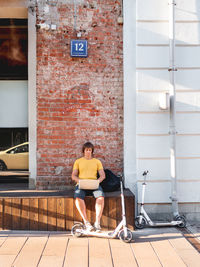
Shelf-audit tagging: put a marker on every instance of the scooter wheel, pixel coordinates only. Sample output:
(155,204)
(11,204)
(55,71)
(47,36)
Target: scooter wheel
(139,225)
(126,239)
(181,218)
(76,229)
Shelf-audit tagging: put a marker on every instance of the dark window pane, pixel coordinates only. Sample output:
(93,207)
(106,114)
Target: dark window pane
(13,49)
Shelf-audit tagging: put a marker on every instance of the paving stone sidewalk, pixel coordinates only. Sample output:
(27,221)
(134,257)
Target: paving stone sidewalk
(151,247)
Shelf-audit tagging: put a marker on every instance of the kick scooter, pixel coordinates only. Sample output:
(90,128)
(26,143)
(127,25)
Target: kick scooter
(121,231)
(143,219)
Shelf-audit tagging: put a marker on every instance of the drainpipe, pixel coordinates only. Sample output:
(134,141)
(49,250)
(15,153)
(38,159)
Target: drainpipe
(172,95)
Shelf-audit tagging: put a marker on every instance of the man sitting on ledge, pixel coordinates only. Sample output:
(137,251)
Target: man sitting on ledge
(87,167)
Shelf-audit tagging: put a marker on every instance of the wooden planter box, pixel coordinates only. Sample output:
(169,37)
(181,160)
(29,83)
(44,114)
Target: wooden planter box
(56,211)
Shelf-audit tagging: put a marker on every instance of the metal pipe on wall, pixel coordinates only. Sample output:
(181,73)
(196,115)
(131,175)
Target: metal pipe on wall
(172,95)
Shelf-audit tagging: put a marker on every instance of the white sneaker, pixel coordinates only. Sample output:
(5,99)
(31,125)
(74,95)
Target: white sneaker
(88,226)
(97,227)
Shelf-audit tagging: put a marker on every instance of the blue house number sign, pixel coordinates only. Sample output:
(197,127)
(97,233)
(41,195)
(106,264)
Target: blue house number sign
(79,48)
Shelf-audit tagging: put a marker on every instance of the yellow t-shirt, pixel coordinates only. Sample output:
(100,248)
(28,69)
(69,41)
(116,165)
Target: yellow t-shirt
(87,168)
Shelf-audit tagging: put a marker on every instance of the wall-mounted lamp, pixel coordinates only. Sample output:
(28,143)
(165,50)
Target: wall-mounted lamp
(164,101)
(45,26)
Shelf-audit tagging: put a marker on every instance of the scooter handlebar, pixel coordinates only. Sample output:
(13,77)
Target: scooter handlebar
(145,173)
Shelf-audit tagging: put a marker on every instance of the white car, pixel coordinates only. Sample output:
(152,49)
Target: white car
(14,158)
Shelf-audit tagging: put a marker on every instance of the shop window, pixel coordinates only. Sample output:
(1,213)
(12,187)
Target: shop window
(13,49)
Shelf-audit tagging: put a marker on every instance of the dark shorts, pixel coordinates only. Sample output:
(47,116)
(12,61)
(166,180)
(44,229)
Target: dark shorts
(80,193)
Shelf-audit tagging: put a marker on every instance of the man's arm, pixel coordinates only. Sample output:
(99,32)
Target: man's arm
(102,175)
(75,176)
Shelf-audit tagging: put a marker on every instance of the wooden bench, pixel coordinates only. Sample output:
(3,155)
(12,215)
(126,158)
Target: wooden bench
(56,211)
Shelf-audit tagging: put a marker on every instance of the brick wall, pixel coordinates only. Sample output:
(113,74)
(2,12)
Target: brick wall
(79,99)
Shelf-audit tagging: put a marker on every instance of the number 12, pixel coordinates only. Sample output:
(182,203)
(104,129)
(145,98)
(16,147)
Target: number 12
(79,46)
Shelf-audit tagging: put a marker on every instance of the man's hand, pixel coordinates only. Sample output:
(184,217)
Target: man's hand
(75,176)
(102,175)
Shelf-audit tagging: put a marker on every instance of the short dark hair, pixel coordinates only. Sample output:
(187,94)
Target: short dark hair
(88,145)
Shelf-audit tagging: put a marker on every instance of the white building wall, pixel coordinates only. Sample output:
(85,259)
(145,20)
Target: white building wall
(32,102)
(152,124)
(129,60)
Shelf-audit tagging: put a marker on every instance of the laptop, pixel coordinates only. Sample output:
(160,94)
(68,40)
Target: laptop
(88,184)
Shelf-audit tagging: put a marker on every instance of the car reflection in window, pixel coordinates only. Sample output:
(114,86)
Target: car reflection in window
(20,149)
(14,158)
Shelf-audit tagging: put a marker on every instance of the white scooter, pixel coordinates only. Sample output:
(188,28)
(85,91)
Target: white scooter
(121,231)
(143,219)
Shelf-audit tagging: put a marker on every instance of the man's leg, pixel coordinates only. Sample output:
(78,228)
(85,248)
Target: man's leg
(80,204)
(99,208)
(99,195)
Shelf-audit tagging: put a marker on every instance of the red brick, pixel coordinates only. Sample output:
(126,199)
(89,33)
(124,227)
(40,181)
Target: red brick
(79,99)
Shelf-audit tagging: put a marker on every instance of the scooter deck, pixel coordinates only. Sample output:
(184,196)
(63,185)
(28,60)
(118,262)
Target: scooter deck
(105,234)
(160,223)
